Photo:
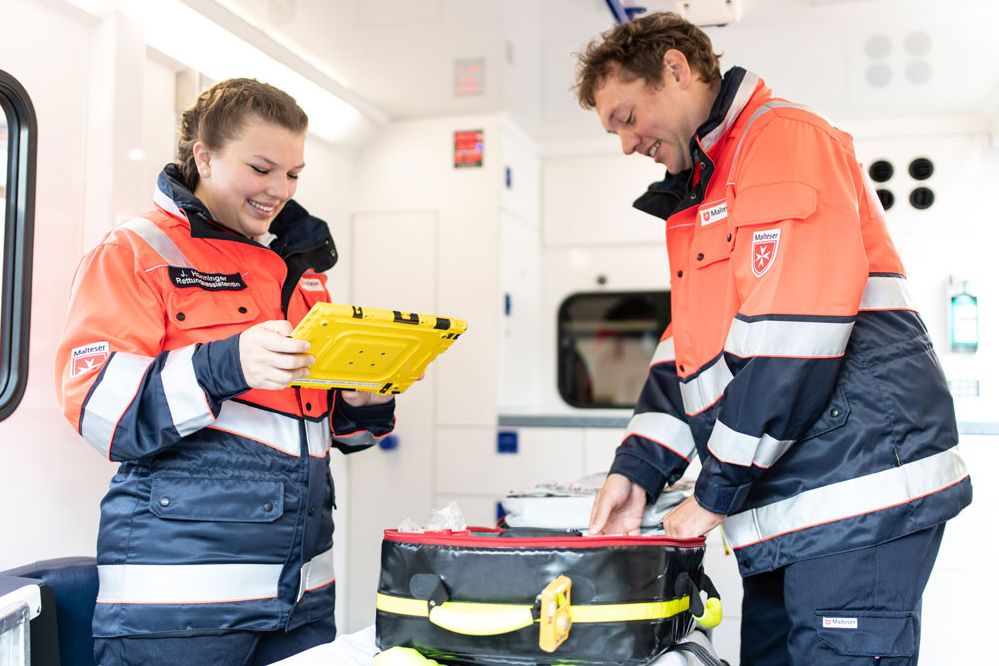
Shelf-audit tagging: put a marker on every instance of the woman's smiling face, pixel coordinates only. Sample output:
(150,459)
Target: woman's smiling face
(247,181)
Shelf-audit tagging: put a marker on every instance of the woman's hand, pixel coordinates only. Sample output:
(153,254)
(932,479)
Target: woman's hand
(270,358)
(365,398)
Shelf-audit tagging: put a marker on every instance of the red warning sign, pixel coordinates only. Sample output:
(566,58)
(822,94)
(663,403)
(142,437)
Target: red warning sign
(468,145)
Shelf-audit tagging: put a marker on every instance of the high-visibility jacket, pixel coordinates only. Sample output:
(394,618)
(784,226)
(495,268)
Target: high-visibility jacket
(220,515)
(795,365)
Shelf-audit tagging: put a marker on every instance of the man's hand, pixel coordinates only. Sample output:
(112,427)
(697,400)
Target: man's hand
(688,520)
(269,358)
(618,507)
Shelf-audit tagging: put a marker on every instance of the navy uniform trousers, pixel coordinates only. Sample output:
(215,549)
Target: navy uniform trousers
(860,608)
(234,648)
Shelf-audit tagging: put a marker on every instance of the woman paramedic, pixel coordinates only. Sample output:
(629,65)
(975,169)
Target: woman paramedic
(216,534)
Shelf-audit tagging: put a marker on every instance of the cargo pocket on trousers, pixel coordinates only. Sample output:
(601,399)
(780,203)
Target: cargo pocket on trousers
(866,633)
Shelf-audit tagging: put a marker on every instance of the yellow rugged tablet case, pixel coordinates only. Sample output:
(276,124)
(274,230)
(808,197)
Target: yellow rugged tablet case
(367,349)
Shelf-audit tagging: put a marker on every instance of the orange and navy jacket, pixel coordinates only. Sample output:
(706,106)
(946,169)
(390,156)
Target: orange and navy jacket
(220,514)
(795,365)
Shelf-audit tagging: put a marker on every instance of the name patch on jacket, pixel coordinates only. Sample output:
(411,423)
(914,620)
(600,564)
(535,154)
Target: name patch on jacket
(312,284)
(713,212)
(188,277)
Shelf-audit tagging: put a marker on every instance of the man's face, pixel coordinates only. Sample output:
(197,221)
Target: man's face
(650,121)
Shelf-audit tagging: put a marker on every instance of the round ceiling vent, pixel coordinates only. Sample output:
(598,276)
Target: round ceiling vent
(879,75)
(921,198)
(918,43)
(918,72)
(886,197)
(881,171)
(878,47)
(921,168)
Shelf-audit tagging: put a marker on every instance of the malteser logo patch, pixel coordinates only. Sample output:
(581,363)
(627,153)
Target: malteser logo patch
(188,277)
(765,244)
(88,357)
(312,284)
(713,212)
(839,622)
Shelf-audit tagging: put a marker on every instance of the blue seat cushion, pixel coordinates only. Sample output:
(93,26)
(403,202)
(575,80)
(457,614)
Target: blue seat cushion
(73,581)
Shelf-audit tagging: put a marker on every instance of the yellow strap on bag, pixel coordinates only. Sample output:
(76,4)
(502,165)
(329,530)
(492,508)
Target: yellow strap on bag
(485,619)
(401,656)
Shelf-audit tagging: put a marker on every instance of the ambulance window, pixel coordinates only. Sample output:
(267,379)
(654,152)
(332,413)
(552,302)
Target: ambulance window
(17,180)
(605,343)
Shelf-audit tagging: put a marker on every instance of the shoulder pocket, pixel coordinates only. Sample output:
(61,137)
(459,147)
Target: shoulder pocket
(219,500)
(774,202)
(866,633)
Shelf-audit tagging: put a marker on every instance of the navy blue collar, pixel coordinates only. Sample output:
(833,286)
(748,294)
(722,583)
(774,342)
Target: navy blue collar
(677,192)
(301,240)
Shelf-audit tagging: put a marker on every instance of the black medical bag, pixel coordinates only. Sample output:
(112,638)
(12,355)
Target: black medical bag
(494,596)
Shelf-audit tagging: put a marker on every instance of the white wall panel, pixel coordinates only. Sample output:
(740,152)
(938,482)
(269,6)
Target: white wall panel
(587,200)
(522,197)
(50,479)
(386,486)
(469,288)
(468,463)
(520,346)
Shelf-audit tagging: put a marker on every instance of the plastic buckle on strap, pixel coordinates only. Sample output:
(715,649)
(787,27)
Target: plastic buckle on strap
(555,616)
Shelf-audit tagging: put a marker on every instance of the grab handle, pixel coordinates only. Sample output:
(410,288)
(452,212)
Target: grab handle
(477,619)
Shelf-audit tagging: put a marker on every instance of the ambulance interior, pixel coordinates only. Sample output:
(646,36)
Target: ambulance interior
(460,177)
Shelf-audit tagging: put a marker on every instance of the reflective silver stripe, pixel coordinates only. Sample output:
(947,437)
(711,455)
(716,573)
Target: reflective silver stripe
(665,352)
(316,573)
(705,389)
(769,106)
(735,448)
(158,240)
(167,204)
(186,583)
(358,438)
(186,399)
(111,397)
(319,437)
(886,293)
(742,95)
(800,339)
(269,428)
(663,429)
(847,499)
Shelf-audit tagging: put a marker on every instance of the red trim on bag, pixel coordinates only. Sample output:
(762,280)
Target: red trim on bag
(466,538)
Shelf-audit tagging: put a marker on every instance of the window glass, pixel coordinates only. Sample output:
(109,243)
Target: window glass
(606,341)
(3,205)
(17,176)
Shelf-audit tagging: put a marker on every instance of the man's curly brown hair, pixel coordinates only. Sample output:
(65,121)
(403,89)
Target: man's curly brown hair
(635,50)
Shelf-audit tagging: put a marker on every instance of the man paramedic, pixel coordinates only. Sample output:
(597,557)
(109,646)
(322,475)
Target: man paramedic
(795,365)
